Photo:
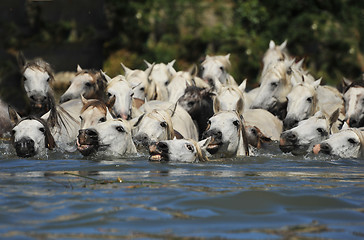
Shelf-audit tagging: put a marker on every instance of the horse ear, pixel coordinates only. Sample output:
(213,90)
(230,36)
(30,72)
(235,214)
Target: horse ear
(49,140)
(148,71)
(240,106)
(216,105)
(170,68)
(283,45)
(193,70)
(105,76)
(242,86)
(126,69)
(316,83)
(14,116)
(21,60)
(83,99)
(148,64)
(227,56)
(271,44)
(299,64)
(346,82)
(79,69)
(334,117)
(204,143)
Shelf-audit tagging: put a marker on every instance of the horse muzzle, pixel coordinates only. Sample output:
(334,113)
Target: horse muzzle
(216,140)
(87,141)
(25,148)
(159,152)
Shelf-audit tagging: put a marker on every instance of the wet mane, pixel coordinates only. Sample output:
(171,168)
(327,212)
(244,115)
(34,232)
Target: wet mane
(40,65)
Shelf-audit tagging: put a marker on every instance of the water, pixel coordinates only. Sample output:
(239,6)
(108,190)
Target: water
(270,196)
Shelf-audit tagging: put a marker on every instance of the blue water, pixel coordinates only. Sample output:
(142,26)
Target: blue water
(269,196)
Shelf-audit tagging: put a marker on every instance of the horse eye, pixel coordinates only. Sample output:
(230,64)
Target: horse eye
(208,122)
(81,118)
(236,123)
(109,94)
(120,129)
(132,94)
(222,68)
(190,104)
(289,71)
(254,131)
(103,119)
(163,124)
(202,68)
(42,130)
(166,83)
(48,79)
(274,84)
(190,147)
(309,99)
(352,140)
(25,79)
(88,84)
(13,132)
(142,89)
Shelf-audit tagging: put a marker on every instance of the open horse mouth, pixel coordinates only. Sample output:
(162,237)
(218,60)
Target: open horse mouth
(87,142)
(158,152)
(214,146)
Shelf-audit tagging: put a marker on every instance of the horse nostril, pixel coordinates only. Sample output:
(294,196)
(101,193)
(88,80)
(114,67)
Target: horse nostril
(90,132)
(292,137)
(325,148)
(162,146)
(353,122)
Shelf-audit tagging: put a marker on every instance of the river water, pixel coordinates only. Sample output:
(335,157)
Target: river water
(268,196)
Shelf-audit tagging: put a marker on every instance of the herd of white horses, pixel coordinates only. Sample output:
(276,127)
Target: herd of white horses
(187,116)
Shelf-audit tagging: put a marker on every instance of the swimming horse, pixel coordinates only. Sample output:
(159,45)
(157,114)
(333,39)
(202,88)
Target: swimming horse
(89,83)
(37,76)
(217,66)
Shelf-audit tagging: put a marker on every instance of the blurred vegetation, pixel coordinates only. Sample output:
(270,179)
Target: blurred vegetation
(328,34)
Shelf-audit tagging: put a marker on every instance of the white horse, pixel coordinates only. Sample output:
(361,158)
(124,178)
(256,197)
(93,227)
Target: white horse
(217,66)
(138,80)
(37,76)
(274,54)
(302,103)
(89,83)
(309,132)
(153,126)
(354,99)
(181,120)
(179,150)
(227,132)
(348,143)
(120,92)
(261,126)
(31,136)
(112,137)
(306,99)
(229,98)
(181,80)
(159,78)
(93,112)
(273,90)
(57,128)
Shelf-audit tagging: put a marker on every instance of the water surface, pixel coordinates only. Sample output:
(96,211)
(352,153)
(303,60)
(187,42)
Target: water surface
(269,196)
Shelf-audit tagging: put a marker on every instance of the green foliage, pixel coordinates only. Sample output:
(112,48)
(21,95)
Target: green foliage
(328,34)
